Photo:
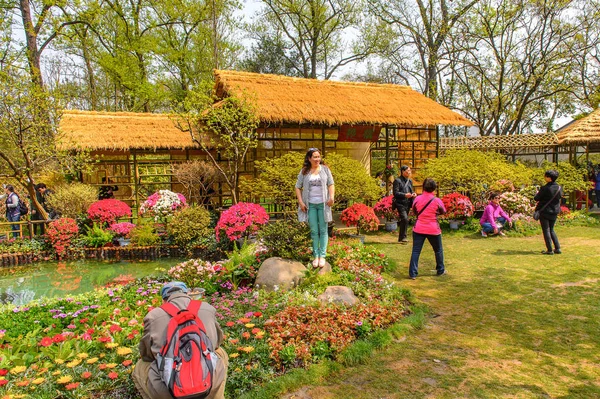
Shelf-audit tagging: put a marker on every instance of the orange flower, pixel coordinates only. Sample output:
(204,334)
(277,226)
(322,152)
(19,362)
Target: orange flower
(113,376)
(244,320)
(73,385)
(23,383)
(85,375)
(255,330)
(246,334)
(127,363)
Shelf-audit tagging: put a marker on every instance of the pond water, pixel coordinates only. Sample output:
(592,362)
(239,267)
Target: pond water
(19,285)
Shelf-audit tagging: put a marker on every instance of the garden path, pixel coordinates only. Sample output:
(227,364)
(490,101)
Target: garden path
(507,322)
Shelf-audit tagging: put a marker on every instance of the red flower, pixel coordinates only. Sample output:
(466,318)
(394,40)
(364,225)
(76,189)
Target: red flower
(58,338)
(230,324)
(72,385)
(3,372)
(84,320)
(105,339)
(257,314)
(115,328)
(46,341)
(108,210)
(85,375)
(3,382)
(241,220)
(246,334)
(113,375)
(102,366)
(361,216)
(127,363)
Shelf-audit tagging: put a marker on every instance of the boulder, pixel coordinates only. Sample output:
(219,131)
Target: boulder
(325,269)
(340,295)
(277,273)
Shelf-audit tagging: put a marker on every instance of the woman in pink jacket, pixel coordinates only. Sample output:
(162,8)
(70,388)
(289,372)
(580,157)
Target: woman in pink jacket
(494,218)
(427,207)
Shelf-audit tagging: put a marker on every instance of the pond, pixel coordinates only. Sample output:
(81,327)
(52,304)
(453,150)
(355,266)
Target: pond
(19,285)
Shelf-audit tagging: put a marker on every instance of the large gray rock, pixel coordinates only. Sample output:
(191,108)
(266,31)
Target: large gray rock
(340,295)
(277,273)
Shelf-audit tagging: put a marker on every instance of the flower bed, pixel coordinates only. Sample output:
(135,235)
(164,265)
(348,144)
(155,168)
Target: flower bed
(57,345)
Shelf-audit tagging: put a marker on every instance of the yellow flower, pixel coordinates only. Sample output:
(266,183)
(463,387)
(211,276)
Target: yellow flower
(18,369)
(74,363)
(249,325)
(38,381)
(124,351)
(83,355)
(59,361)
(111,345)
(234,355)
(111,365)
(92,360)
(101,356)
(65,379)
(57,372)
(248,349)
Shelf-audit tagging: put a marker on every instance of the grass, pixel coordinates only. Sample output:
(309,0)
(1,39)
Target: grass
(506,322)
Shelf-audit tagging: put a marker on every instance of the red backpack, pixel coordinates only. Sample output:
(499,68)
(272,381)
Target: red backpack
(186,361)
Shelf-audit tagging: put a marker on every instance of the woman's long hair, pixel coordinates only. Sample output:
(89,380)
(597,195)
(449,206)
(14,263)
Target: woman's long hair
(306,167)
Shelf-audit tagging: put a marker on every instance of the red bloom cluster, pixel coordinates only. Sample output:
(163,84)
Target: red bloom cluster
(108,211)
(458,206)
(383,208)
(60,233)
(361,216)
(241,220)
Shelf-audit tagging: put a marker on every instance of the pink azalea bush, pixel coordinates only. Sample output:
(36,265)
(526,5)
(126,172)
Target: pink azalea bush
(122,229)
(107,211)
(241,220)
(514,203)
(458,206)
(361,216)
(163,204)
(383,208)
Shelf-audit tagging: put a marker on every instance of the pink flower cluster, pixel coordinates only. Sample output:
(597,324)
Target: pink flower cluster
(241,220)
(383,208)
(122,229)
(108,211)
(458,206)
(163,203)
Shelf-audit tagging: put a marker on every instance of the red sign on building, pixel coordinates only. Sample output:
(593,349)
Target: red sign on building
(362,133)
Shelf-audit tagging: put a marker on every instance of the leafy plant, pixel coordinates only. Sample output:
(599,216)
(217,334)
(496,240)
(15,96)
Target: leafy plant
(241,220)
(288,239)
(60,233)
(352,181)
(241,265)
(97,237)
(189,226)
(107,211)
(144,235)
(361,216)
(72,200)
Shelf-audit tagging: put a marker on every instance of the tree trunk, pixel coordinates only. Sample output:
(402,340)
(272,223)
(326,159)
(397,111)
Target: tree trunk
(33,54)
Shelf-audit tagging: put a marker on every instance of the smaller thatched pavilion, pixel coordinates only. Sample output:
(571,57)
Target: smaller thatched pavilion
(581,136)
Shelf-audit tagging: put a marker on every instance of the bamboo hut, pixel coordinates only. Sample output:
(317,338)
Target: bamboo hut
(581,136)
(136,151)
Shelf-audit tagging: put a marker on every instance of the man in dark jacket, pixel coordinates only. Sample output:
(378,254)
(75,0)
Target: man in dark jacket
(404,194)
(41,194)
(146,375)
(548,205)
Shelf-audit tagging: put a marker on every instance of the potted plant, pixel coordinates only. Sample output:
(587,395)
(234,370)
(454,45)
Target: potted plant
(383,209)
(121,231)
(241,221)
(458,207)
(362,217)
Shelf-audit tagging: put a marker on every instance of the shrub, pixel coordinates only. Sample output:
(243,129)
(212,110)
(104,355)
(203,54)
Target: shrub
(162,204)
(197,273)
(513,203)
(361,216)
(189,226)
(197,177)
(241,220)
(242,265)
(288,239)
(97,237)
(457,206)
(144,235)
(60,233)
(352,181)
(121,229)
(107,211)
(72,200)
(383,208)
(570,177)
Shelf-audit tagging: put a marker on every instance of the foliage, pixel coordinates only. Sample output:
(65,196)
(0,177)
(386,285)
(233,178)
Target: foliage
(352,180)
(577,218)
(361,216)
(72,200)
(189,226)
(97,237)
(60,233)
(163,204)
(122,229)
(288,239)
(391,171)
(197,177)
(107,211)
(241,220)
(23,245)
(197,273)
(570,178)
(383,208)
(144,235)
(457,206)
(242,265)
(513,203)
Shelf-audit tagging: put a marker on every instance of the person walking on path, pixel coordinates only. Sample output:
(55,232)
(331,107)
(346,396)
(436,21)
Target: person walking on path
(146,375)
(13,213)
(41,193)
(315,192)
(548,206)
(427,207)
(404,194)
(494,218)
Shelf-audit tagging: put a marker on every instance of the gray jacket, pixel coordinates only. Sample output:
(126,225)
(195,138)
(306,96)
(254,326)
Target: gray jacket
(303,181)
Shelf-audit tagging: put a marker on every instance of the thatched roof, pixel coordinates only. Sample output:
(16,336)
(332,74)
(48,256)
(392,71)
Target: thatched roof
(583,131)
(121,131)
(499,142)
(281,99)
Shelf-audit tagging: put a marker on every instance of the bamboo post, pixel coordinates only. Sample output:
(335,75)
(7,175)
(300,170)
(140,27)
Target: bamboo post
(136,186)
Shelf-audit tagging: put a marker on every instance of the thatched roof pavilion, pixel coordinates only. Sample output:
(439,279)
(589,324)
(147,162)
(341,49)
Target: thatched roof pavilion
(282,99)
(582,132)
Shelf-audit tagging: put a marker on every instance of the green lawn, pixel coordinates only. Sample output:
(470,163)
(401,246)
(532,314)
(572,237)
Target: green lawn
(506,322)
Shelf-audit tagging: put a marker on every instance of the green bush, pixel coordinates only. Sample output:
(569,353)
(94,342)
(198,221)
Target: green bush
(189,226)
(288,239)
(352,181)
(72,200)
(144,235)
(97,237)
(242,265)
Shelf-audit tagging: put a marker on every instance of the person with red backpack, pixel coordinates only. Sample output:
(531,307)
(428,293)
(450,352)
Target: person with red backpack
(180,349)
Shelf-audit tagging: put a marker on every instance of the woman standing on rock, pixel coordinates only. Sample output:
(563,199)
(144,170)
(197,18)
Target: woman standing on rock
(315,193)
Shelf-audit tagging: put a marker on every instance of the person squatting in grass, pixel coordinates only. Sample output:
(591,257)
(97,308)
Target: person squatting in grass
(494,218)
(315,193)
(427,207)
